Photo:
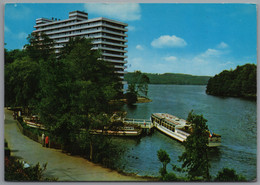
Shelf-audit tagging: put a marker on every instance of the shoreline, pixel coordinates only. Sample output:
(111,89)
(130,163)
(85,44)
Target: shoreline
(61,165)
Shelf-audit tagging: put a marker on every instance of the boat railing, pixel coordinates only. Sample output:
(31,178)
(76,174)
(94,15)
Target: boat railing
(140,122)
(182,132)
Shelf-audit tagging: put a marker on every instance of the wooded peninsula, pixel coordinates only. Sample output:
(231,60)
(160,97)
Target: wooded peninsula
(171,78)
(240,82)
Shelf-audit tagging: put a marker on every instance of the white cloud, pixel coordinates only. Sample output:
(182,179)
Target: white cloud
(139,47)
(170,59)
(211,53)
(121,11)
(131,28)
(222,45)
(168,41)
(22,35)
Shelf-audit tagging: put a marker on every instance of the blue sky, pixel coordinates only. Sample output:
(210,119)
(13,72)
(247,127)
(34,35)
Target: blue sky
(198,39)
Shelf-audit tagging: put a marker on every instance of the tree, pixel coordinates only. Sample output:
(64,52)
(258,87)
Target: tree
(39,47)
(164,158)
(21,82)
(228,175)
(195,157)
(240,82)
(73,87)
(12,55)
(140,83)
(131,95)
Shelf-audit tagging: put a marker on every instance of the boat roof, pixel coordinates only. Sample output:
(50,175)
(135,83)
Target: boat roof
(171,119)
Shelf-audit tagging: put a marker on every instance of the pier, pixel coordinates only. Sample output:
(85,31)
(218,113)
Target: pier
(146,124)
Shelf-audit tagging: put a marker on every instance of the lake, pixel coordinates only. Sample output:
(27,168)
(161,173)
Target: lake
(233,118)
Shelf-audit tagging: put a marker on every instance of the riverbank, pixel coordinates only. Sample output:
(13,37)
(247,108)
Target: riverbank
(60,165)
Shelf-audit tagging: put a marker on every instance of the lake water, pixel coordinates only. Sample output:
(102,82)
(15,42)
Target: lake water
(233,118)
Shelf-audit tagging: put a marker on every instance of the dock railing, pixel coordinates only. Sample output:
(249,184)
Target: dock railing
(144,123)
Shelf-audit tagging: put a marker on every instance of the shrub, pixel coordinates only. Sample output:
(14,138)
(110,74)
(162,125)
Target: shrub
(16,171)
(229,175)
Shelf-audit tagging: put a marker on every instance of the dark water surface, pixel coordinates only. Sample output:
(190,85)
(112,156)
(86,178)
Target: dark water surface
(233,118)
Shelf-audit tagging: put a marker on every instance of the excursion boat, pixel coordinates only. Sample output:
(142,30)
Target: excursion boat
(179,129)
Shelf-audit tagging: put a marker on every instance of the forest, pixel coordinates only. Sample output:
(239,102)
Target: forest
(240,82)
(171,78)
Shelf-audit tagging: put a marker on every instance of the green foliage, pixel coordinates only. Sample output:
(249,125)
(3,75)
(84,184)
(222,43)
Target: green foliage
(138,84)
(164,158)
(170,78)
(131,95)
(75,92)
(21,82)
(228,175)
(240,82)
(11,56)
(40,46)
(195,157)
(171,177)
(15,171)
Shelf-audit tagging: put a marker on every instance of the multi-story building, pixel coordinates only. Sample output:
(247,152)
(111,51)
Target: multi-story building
(108,35)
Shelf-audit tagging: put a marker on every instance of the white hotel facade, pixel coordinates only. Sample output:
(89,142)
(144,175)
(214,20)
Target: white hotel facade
(108,35)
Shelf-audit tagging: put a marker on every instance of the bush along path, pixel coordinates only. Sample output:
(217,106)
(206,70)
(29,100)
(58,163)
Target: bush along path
(59,165)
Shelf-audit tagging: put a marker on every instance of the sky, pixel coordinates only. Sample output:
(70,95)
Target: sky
(197,39)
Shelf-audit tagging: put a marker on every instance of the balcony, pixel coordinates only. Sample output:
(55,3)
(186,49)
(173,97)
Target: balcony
(111,49)
(120,67)
(114,27)
(116,61)
(112,55)
(109,43)
(114,33)
(120,72)
(114,38)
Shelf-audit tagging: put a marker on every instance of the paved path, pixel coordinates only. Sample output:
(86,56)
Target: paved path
(60,165)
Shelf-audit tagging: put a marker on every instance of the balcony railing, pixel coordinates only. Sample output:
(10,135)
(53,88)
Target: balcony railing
(112,55)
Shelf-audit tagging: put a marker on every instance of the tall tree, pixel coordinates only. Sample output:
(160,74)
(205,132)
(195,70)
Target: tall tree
(75,86)
(164,159)
(140,83)
(39,47)
(21,82)
(195,157)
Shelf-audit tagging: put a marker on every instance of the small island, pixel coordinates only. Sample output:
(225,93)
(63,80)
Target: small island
(240,82)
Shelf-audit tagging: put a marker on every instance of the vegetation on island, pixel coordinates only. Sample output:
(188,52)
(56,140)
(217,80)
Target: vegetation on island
(137,87)
(170,78)
(195,160)
(240,82)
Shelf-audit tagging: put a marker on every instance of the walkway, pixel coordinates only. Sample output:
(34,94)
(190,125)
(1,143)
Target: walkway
(60,165)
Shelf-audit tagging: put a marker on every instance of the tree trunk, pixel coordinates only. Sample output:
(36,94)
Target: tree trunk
(91,151)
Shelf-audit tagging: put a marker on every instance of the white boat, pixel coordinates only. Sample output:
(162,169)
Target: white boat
(179,129)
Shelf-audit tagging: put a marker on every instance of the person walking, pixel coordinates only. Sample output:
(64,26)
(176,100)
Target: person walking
(47,141)
(43,139)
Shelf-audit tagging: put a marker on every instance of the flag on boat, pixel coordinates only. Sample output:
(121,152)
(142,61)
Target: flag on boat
(210,134)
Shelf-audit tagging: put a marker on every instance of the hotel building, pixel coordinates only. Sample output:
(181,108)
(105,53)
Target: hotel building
(108,35)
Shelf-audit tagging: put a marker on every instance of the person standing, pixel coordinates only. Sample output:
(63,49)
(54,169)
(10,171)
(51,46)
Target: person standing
(47,141)
(43,139)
